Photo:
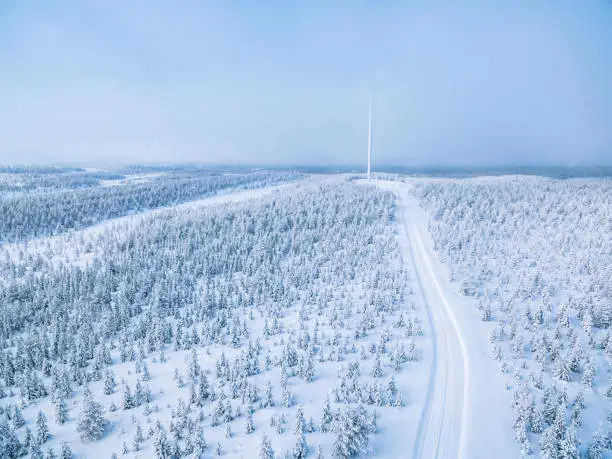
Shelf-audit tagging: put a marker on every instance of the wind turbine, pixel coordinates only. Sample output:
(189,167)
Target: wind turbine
(369,137)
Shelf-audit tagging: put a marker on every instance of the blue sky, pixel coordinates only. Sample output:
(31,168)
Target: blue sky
(472,82)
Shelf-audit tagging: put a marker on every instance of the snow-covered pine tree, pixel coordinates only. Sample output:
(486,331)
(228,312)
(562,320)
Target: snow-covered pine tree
(61,411)
(127,399)
(300,421)
(161,445)
(351,432)
(109,382)
(300,450)
(16,416)
(268,399)
(377,371)
(9,445)
(42,430)
(265,448)
(597,446)
(91,423)
(249,427)
(570,443)
(326,416)
(199,443)
(138,438)
(65,452)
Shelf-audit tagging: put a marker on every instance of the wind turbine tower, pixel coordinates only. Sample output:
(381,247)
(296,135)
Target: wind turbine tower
(369,137)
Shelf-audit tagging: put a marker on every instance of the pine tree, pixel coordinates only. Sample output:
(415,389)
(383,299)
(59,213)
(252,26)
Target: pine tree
(161,445)
(146,376)
(570,443)
(588,374)
(597,446)
(61,411)
(265,448)
(351,433)
(374,423)
(127,400)
(9,443)
(199,443)
(377,370)
(307,370)
(203,389)
(138,438)
(91,422)
(549,443)
(301,448)
(327,416)
(194,369)
(250,428)
(268,400)
(18,420)
(391,390)
(42,431)
(27,438)
(66,452)
(109,382)
(537,420)
(300,421)
(36,451)
(561,369)
(287,397)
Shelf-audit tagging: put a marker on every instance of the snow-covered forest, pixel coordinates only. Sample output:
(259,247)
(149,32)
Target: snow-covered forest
(278,327)
(536,253)
(181,313)
(41,214)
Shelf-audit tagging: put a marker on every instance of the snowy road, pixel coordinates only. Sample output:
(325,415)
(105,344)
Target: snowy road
(441,426)
(466,406)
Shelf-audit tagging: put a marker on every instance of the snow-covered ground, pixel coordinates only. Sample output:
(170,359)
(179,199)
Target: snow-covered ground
(333,299)
(132,179)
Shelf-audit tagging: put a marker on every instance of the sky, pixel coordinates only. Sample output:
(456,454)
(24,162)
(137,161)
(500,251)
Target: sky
(509,82)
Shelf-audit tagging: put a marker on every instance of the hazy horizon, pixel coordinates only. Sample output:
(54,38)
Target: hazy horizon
(509,84)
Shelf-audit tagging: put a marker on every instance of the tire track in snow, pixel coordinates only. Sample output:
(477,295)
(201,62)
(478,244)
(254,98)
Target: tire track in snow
(441,428)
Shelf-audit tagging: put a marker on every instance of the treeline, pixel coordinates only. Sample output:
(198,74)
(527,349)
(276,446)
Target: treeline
(28,182)
(33,169)
(26,216)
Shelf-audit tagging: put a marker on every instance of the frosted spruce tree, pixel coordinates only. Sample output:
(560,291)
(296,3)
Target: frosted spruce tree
(300,451)
(42,430)
(351,432)
(265,448)
(91,422)
(9,443)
